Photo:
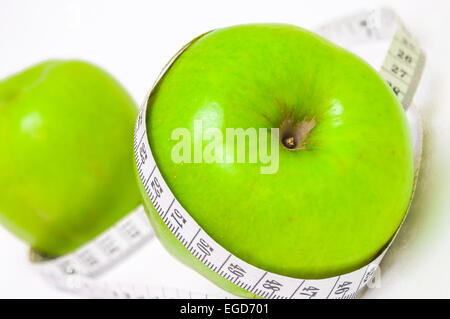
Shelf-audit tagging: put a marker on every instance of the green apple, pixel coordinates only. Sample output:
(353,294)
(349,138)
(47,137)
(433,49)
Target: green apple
(345,174)
(66,170)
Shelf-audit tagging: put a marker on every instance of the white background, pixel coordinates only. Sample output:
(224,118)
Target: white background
(134,39)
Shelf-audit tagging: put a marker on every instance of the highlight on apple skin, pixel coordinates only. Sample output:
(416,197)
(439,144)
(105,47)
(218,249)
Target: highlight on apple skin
(66,163)
(345,174)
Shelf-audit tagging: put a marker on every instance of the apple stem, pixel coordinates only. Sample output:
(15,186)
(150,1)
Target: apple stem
(293,134)
(289,142)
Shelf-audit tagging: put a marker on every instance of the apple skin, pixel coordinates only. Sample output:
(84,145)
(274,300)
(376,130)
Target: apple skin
(331,207)
(66,171)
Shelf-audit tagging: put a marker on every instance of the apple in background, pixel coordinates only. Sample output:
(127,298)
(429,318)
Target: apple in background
(345,173)
(66,170)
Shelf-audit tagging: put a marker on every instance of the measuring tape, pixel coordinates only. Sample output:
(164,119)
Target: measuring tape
(402,69)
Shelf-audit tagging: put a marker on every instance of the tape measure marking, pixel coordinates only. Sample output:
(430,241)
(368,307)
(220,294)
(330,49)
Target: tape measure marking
(110,247)
(403,67)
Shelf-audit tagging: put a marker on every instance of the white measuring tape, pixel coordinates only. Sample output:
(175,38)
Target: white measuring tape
(402,69)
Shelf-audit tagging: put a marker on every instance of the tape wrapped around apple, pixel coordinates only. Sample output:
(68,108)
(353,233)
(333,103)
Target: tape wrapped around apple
(66,165)
(345,169)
